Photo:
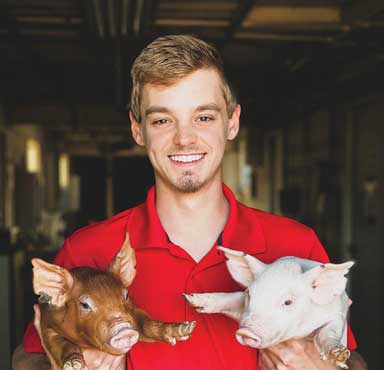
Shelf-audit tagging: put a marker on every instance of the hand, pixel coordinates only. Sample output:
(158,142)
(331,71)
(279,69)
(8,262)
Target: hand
(299,354)
(36,321)
(95,360)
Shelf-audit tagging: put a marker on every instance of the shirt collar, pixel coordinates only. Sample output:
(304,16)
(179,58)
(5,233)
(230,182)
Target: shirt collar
(146,230)
(242,230)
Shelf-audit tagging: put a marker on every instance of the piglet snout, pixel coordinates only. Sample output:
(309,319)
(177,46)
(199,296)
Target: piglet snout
(247,337)
(123,337)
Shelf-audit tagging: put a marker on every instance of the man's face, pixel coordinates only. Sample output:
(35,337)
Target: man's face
(185,127)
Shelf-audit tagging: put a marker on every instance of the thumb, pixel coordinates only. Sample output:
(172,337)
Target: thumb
(37,318)
(37,322)
(265,361)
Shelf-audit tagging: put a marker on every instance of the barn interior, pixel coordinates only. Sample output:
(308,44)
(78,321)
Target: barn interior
(309,75)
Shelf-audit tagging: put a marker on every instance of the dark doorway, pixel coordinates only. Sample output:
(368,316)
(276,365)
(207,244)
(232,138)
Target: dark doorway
(132,177)
(92,172)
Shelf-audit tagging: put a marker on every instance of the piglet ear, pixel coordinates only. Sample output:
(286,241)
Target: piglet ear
(51,282)
(327,281)
(243,267)
(123,265)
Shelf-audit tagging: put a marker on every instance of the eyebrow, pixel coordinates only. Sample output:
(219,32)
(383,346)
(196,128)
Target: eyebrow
(159,109)
(156,109)
(210,106)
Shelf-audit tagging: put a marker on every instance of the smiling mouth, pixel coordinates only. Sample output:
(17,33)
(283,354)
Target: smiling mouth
(186,158)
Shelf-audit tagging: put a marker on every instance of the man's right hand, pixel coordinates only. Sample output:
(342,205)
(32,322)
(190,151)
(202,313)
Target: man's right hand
(95,360)
(36,321)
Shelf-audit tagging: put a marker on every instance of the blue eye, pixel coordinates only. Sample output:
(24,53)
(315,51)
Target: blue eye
(205,118)
(160,121)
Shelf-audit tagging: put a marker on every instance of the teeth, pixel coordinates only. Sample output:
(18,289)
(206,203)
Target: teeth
(186,158)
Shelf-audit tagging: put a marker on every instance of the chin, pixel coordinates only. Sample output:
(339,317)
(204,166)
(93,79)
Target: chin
(188,184)
(188,189)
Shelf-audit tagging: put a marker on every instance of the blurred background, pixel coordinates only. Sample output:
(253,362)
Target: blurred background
(308,73)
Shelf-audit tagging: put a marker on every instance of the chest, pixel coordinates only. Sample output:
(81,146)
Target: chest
(196,251)
(164,275)
(195,242)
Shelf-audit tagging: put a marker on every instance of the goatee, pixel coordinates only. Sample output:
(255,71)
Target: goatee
(187,184)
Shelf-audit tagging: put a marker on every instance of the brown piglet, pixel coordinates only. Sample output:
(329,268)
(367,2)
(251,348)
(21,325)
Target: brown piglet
(89,308)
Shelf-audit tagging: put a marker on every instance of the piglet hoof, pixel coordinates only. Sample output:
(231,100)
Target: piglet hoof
(171,341)
(75,364)
(175,332)
(186,328)
(339,355)
(201,302)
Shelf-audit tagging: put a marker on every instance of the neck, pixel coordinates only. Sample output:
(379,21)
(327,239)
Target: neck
(181,214)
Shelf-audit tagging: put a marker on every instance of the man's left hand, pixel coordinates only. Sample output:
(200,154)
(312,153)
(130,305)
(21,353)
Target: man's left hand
(300,354)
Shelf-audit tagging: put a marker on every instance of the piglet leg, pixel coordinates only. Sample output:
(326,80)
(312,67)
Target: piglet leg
(328,341)
(157,331)
(230,304)
(66,355)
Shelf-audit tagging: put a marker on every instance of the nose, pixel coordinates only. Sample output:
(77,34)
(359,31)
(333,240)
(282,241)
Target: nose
(184,135)
(123,337)
(247,337)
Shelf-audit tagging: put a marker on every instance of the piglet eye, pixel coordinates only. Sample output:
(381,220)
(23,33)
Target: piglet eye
(85,306)
(288,302)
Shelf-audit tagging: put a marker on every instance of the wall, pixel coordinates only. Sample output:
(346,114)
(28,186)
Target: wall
(2,166)
(26,197)
(23,196)
(368,227)
(334,182)
(253,168)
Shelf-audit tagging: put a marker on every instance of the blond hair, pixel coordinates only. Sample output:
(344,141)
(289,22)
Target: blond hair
(168,59)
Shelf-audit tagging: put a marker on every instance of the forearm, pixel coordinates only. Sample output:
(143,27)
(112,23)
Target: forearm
(356,362)
(22,360)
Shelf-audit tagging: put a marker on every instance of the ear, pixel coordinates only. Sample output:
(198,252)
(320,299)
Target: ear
(123,265)
(243,268)
(51,282)
(137,130)
(234,123)
(327,281)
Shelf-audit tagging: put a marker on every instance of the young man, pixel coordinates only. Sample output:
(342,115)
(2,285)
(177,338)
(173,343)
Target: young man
(183,112)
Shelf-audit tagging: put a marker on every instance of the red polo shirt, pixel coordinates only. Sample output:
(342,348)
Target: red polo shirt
(165,271)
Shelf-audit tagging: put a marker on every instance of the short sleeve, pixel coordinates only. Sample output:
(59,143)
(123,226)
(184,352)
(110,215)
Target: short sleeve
(317,251)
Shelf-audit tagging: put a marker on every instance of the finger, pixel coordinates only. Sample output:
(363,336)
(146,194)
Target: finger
(93,358)
(279,348)
(118,363)
(285,350)
(267,360)
(285,354)
(294,354)
(37,318)
(112,362)
(100,360)
(37,322)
